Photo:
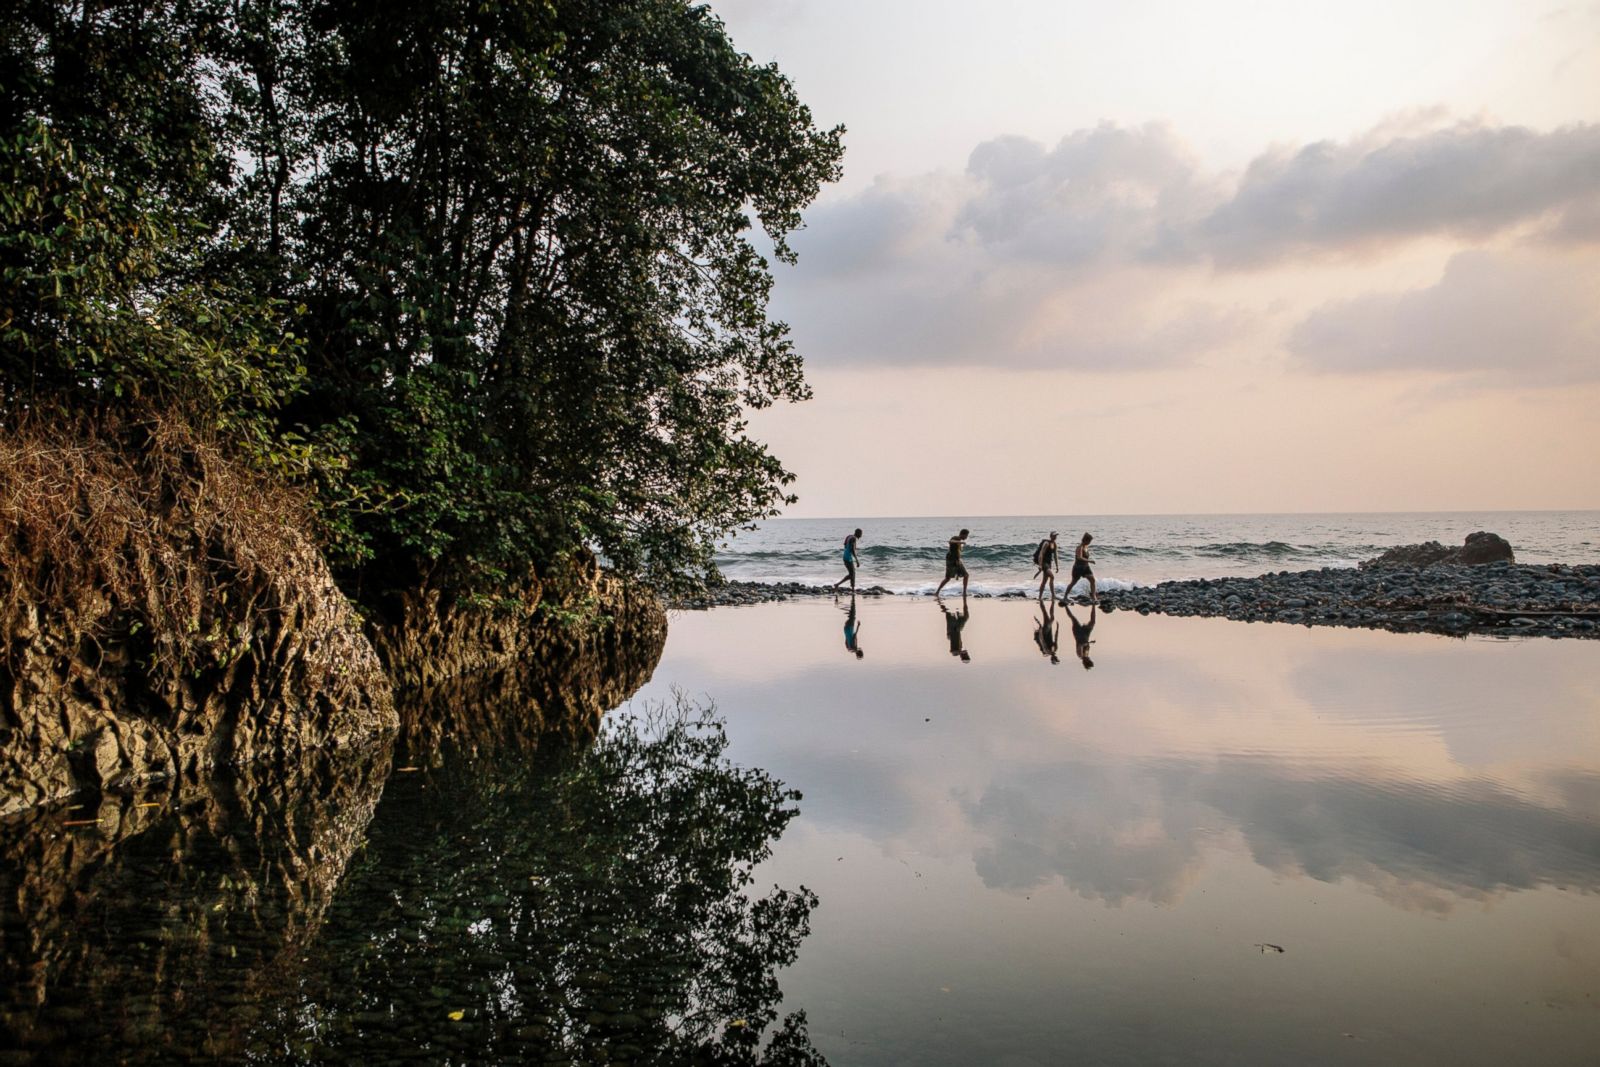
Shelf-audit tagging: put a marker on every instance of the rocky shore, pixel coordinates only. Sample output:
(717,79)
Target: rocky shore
(1545,600)
(1538,600)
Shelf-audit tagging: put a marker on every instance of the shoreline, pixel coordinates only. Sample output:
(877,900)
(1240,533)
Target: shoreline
(1457,600)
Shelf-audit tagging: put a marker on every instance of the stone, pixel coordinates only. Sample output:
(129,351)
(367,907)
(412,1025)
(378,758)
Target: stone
(1482,547)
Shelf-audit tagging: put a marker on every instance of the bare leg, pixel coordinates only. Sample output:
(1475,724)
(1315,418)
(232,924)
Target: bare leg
(1094,597)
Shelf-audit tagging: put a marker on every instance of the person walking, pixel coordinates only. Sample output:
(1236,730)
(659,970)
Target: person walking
(1047,557)
(850,561)
(1080,570)
(953,567)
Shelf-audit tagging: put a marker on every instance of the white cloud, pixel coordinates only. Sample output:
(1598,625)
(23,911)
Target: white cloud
(1469,180)
(1105,251)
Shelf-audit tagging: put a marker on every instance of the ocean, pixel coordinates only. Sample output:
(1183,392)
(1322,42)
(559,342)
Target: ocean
(906,555)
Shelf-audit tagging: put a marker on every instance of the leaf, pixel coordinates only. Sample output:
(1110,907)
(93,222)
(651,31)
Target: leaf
(457,1016)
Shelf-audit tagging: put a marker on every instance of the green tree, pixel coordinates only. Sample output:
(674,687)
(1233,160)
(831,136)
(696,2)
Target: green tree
(521,239)
(523,232)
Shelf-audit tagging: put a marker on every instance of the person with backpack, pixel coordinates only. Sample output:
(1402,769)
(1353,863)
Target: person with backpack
(850,561)
(1047,559)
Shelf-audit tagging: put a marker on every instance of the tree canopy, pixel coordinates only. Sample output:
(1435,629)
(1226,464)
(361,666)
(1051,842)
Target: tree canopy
(494,277)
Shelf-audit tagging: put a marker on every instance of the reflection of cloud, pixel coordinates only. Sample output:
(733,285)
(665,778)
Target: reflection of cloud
(1140,836)
(1507,317)
(1097,252)
(1105,840)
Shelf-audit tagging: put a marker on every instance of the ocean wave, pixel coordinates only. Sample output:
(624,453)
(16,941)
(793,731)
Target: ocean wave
(1022,553)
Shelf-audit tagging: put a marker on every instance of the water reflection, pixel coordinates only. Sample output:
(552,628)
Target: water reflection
(595,906)
(1358,757)
(954,623)
(852,630)
(1143,835)
(1047,631)
(1033,866)
(153,923)
(1080,634)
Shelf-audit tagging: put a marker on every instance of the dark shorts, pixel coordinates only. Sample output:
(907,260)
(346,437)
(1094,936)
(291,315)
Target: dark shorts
(954,569)
(1081,569)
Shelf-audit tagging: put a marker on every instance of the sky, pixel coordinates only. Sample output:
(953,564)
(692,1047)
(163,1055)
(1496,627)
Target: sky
(1190,257)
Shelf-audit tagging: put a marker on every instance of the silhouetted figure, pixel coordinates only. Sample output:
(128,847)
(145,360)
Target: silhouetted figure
(850,561)
(953,622)
(953,567)
(1080,635)
(852,630)
(1047,632)
(1047,558)
(1080,570)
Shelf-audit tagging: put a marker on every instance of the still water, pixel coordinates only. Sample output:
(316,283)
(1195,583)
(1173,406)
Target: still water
(1223,843)
(1021,862)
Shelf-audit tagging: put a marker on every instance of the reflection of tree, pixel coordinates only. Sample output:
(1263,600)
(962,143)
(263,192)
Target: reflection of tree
(591,908)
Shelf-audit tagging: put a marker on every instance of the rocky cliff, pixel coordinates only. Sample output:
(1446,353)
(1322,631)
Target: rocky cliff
(162,610)
(550,662)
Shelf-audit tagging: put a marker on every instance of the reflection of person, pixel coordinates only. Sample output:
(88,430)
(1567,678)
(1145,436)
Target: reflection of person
(852,630)
(850,561)
(1080,570)
(953,567)
(1047,632)
(953,622)
(1080,635)
(1047,558)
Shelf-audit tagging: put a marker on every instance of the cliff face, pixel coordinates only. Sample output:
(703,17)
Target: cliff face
(549,663)
(163,611)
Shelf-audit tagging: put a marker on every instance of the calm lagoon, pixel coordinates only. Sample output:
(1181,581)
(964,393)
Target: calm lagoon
(1020,862)
(1224,843)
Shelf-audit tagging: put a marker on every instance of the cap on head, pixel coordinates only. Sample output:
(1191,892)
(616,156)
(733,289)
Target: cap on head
(1052,535)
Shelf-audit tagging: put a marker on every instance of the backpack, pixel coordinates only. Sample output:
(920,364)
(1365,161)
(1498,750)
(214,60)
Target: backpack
(1039,553)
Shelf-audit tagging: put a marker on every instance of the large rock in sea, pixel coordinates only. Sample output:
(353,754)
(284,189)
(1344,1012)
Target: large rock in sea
(163,610)
(1480,547)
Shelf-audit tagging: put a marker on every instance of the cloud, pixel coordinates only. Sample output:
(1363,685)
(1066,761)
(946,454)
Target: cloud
(1507,317)
(1469,180)
(1104,251)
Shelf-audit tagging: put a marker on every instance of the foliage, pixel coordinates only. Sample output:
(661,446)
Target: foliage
(515,242)
(93,314)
